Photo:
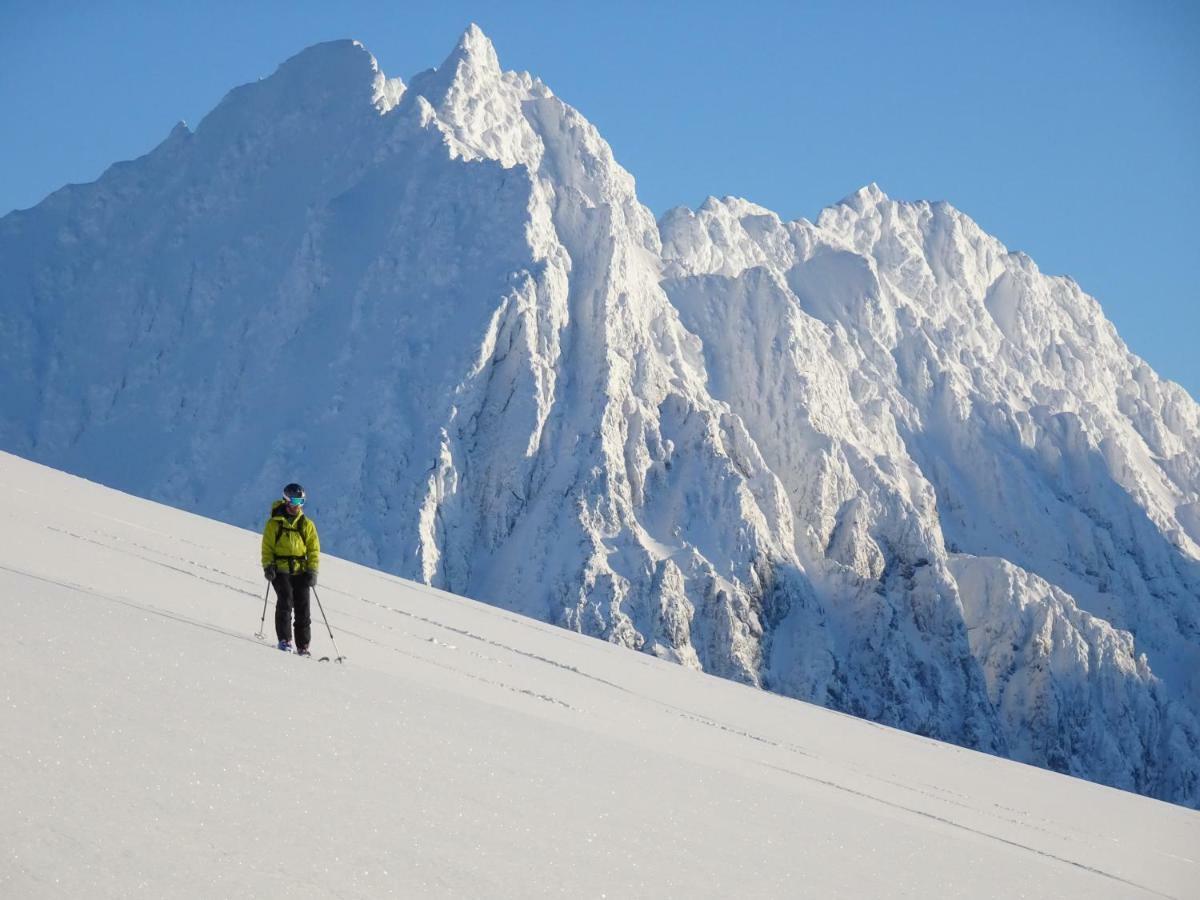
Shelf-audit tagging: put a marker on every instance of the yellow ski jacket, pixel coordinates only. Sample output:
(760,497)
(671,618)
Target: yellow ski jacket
(291,545)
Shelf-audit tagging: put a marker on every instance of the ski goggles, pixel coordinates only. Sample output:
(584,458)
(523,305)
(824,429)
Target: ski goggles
(294,501)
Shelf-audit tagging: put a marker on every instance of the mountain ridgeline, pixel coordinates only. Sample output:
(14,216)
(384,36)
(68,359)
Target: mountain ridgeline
(877,462)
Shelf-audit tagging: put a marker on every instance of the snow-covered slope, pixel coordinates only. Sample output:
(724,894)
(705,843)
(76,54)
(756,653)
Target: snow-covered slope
(152,747)
(877,462)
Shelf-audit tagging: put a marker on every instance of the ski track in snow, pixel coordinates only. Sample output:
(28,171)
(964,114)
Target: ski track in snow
(116,543)
(119,545)
(630,703)
(984,834)
(876,461)
(113,542)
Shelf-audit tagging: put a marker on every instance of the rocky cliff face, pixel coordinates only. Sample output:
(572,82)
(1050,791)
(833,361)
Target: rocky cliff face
(934,403)
(877,462)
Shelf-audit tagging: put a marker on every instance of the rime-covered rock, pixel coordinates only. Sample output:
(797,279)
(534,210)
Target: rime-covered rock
(877,462)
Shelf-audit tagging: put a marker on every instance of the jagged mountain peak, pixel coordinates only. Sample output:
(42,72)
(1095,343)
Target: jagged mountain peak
(471,69)
(865,197)
(347,67)
(780,451)
(724,236)
(738,206)
(478,107)
(476,48)
(332,82)
(333,62)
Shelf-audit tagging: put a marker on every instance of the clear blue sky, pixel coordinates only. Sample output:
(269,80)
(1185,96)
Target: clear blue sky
(1070,130)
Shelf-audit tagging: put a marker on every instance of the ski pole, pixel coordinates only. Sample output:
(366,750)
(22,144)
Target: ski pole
(339,656)
(262,626)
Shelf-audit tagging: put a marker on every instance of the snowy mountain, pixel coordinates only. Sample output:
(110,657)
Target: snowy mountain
(936,405)
(877,462)
(152,747)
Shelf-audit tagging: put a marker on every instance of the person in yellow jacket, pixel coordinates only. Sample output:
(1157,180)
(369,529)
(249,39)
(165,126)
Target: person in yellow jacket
(291,555)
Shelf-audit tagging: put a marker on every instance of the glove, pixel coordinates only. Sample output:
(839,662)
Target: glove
(269,572)
(312,579)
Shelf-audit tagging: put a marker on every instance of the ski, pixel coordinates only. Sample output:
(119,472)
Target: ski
(291,651)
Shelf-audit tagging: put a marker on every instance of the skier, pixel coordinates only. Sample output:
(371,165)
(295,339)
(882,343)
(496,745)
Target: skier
(291,555)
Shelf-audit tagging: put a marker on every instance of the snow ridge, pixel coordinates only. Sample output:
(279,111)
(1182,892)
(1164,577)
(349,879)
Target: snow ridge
(878,462)
(936,403)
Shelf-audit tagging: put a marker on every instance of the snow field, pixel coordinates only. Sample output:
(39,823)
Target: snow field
(150,746)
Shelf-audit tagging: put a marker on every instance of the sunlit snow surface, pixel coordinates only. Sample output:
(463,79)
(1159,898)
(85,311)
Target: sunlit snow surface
(150,746)
(877,461)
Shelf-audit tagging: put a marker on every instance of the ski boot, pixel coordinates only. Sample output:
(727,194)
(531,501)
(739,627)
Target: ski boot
(285,646)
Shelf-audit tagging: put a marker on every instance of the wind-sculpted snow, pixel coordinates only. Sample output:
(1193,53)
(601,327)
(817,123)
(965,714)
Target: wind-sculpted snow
(878,462)
(924,395)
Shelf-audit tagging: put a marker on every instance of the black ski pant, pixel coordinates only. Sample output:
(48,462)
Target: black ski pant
(291,595)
